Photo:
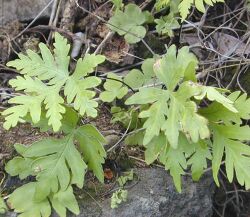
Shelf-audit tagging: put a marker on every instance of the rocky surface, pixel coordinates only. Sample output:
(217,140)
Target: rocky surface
(155,196)
(23,10)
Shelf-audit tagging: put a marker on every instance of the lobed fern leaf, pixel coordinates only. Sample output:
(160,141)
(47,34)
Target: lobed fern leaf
(178,132)
(113,88)
(44,78)
(185,5)
(129,23)
(175,110)
(230,139)
(60,201)
(57,165)
(91,141)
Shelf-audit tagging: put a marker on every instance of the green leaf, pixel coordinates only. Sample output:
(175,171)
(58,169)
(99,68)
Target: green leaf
(194,125)
(127,176)
(117,3)
(147,95)
(148,69)
(155,147)
(217,112)
(175,161)
(27,104)
(126,118)
(70,120)
(77,87)
(137,78)
(31,104)
(60,201)
(29,207)
(166,24)
(46,67)
(113,89)
(184,8)
(44,79)
(171,68)
(129,23)
(57,161)
(118,197)
(87,65)
(3,207)
(19,166)
(161,4)
(134,78)
(229,139)
(137,35)
(172,125)
(53,104)
(198,160)
(155,119)
(63,200)
(91,144)
(76,90)
(178,107)
(214,95)
(135,139)
(185,5)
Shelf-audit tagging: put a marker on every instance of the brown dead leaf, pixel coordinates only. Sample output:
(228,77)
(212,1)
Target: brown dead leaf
(230,44)
(116,49)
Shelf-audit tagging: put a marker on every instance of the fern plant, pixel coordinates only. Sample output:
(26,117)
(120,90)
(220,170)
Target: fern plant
(181,123)
(57,164)
(184,6)
(129,23)
(44,77)
(54,99)
(179,131)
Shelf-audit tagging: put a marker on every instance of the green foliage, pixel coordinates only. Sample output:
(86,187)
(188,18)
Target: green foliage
(229,139)
(185,5)
(161,4)
(118,4)
(113,89)
(3,207)
(179,133)
(170,70)
(118,197)
(44,78)
(129,23)
(128,176)
(121,195)
(137,78)
(128,118)
(181,123)
(91,144)
(166,24)
(60,201)
(57,165)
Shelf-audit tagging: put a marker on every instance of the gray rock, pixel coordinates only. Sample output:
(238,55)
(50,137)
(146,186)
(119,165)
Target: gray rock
(23,10)
(155,196)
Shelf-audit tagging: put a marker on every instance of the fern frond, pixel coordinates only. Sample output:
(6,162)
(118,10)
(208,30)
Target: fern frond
(44,78)
(60,201)
(91,144)
(185,5)
(55,161)
(229,140)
